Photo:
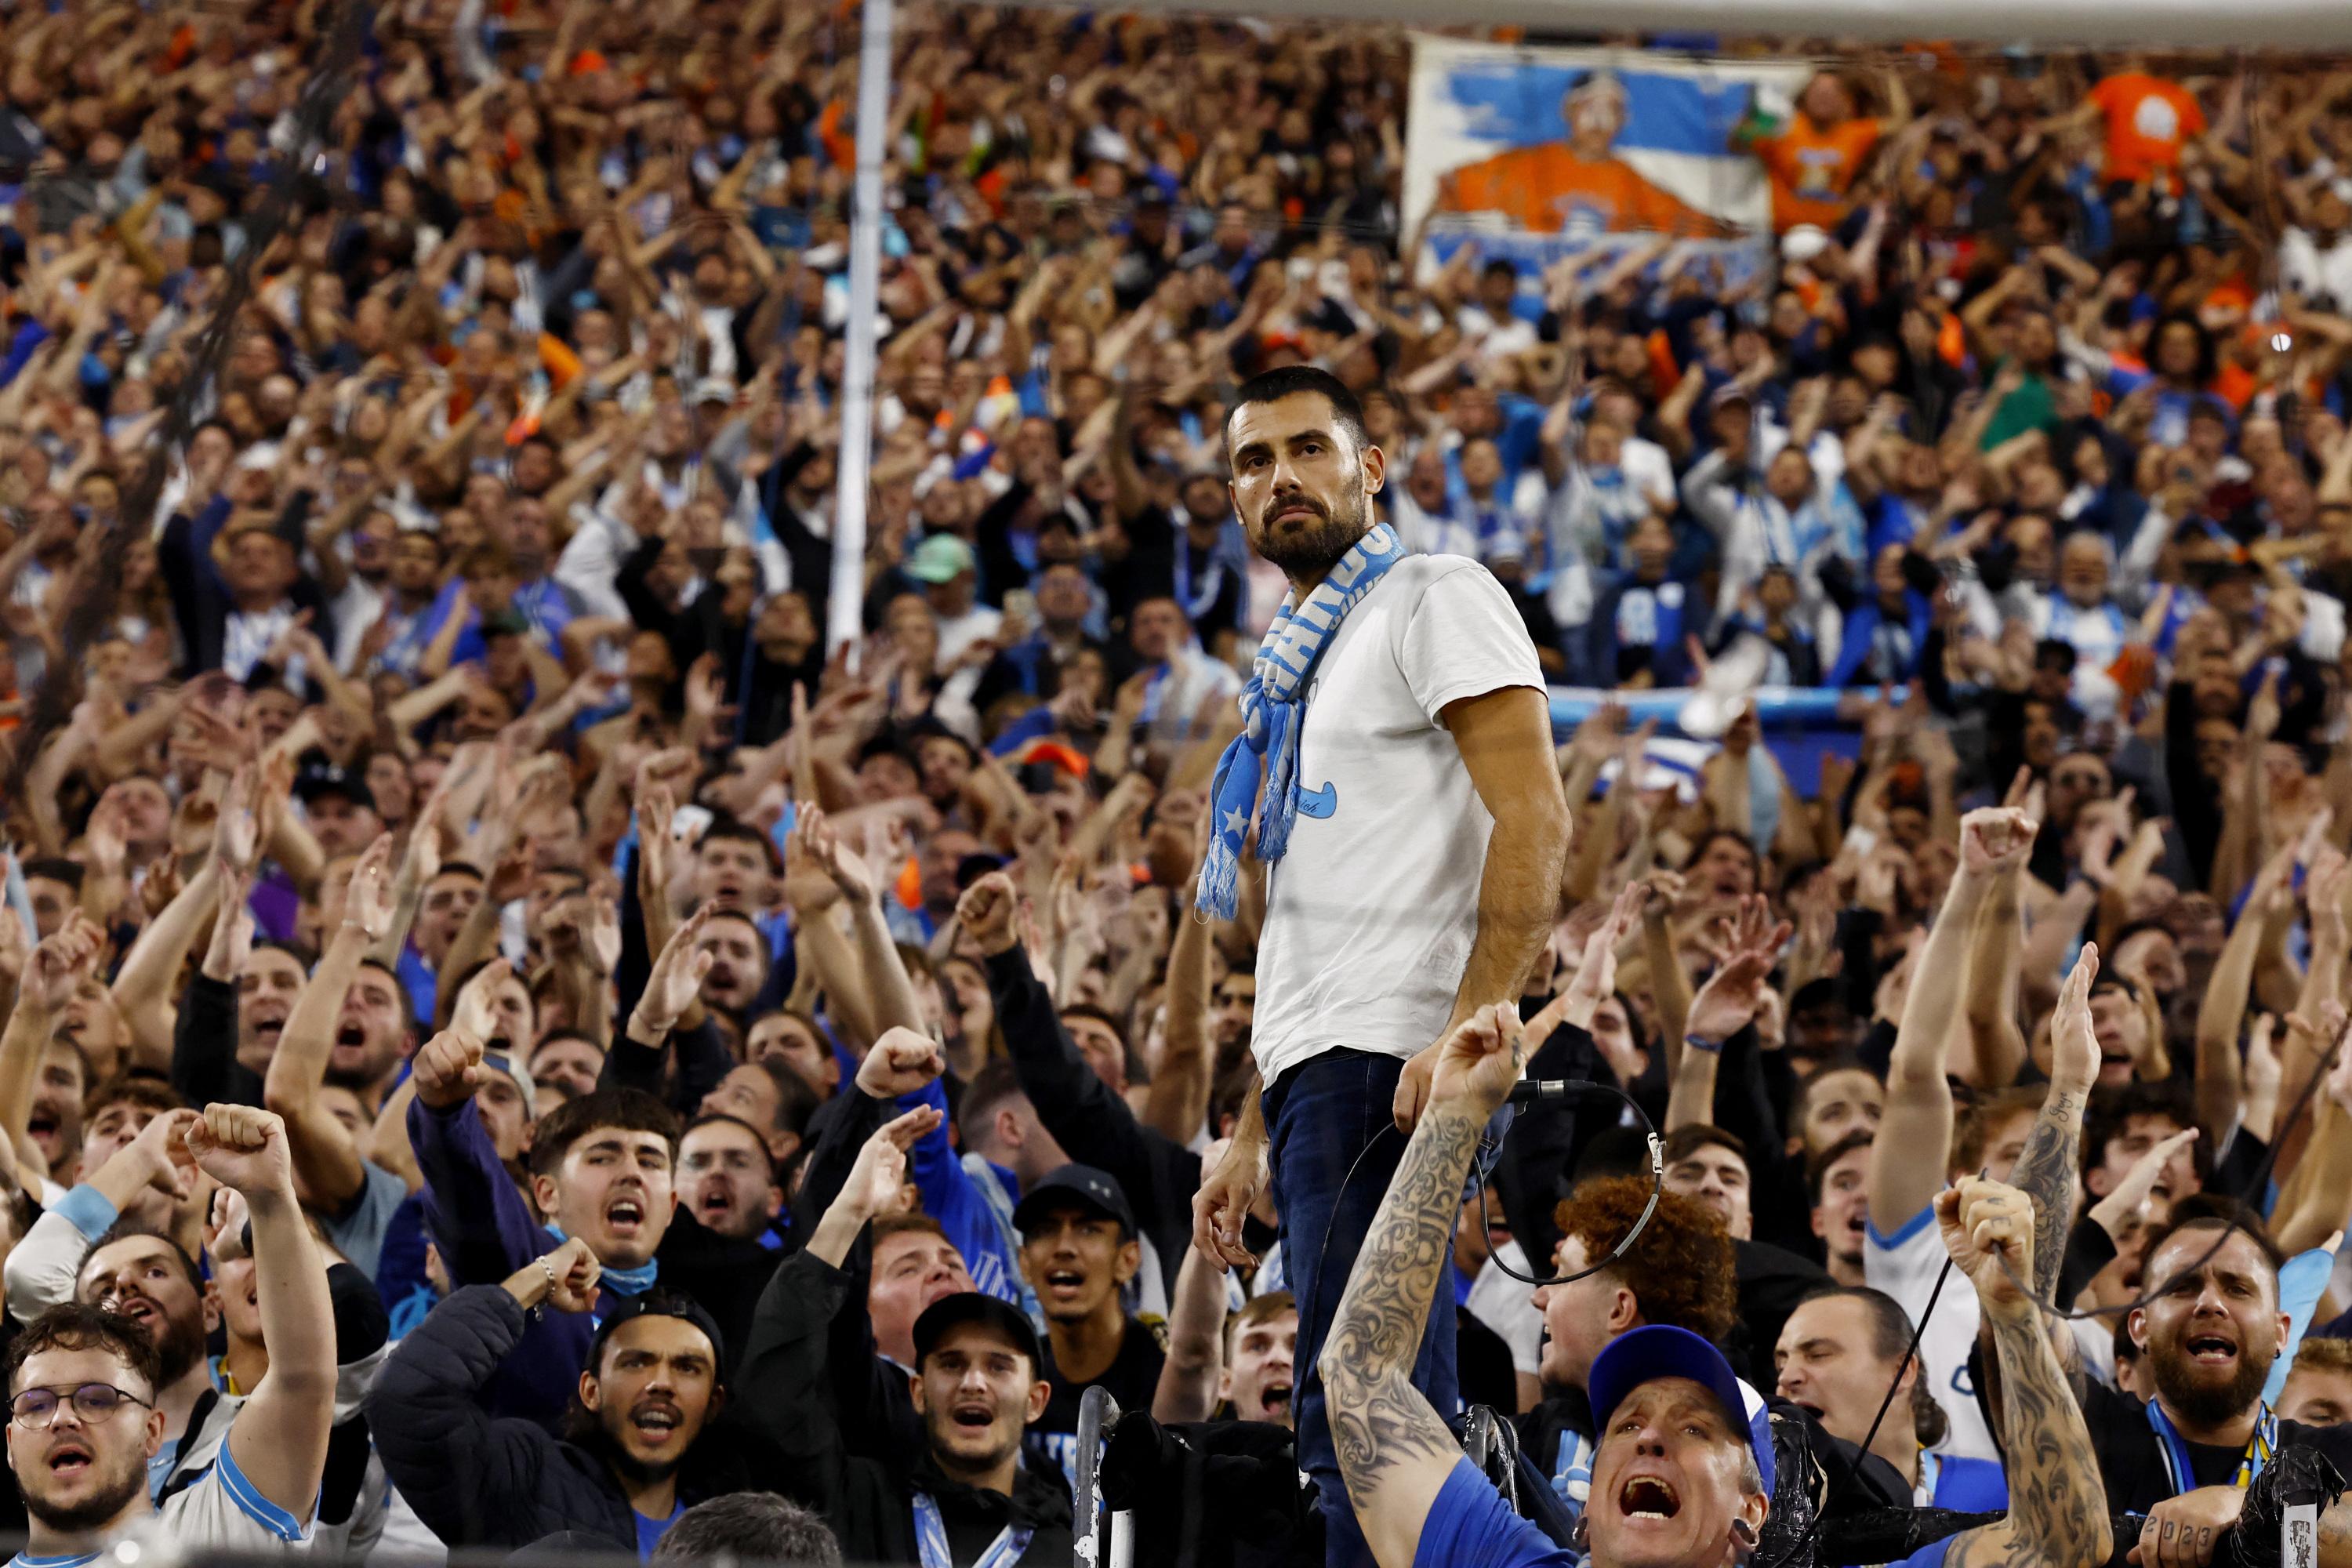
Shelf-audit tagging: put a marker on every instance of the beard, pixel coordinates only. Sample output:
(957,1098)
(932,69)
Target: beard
(179,1347)
(599,1432)
(2204,1404)
(1315,547)
(94,1512)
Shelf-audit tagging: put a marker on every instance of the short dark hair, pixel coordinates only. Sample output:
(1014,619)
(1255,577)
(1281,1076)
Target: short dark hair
(723,826)
(2210,1211)
(126,1230)
(750,1526)
(727,1119)
(1817,1169)
(889,1224)
(996,1082)
(132,1089)
(71,1326)
(1972,1132)
(1692,1136)
(1680,1268)
(2109,1113)
(796,1099)
(55,868)
(1288,380)
(1257,1310)
(1890,1340)
(553,1037)
(1709,839)
(627,1110)
(1102,1015)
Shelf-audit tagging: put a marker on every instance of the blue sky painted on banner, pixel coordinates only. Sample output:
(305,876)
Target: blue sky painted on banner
(1518,102)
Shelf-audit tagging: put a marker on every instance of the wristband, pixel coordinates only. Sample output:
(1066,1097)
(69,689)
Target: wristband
(1701,1043)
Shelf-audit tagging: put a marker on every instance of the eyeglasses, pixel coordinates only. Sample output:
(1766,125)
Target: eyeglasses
(94,1403)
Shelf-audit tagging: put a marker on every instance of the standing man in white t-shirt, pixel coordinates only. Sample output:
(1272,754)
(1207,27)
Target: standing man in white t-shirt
(1398,765)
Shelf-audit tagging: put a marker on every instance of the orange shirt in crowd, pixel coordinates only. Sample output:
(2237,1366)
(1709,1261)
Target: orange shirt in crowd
(1549,189)
(1811,168)
(2148,119)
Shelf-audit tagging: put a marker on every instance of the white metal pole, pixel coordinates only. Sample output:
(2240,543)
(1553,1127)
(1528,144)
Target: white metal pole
(848,589)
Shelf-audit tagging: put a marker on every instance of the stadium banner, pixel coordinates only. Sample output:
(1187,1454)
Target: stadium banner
(1541,155)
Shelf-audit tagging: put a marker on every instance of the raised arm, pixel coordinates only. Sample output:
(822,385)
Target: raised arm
(1906,1162)
(1179,1098)
(2046,1166)
(1995,1047)
(325,1155)
(875,1183)
(2219,1075)
(890,991)
(1395,1452)
(1721,1009)
(2057,1504)
(282,1448)
(150,976)
(61,962)
(1196,1335)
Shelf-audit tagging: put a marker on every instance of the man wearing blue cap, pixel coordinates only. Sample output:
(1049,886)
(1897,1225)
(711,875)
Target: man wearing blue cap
(1683,1475)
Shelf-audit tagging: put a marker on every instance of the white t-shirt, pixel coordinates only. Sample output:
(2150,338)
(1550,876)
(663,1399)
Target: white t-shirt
(222,1513)
(1507,1306)
(1388,823)
(1905,1266)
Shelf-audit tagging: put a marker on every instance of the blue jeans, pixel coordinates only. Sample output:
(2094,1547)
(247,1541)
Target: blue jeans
(1322,1118)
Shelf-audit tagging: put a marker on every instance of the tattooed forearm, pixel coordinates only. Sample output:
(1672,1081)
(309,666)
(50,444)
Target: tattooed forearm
(2335,1534)
(2045,1172)
(1379,1419)
(2057,1504)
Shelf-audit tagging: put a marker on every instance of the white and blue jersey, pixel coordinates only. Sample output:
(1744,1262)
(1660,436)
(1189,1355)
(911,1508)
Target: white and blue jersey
(224,1512)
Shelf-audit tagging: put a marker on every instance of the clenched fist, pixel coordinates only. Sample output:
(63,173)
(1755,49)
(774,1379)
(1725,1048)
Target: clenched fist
(447,1069)
(986,911)
(242,1147)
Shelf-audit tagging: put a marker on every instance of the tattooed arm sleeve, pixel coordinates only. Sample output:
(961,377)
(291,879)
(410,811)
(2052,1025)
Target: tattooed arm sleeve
(2045,1172)
(2057,1505)
(1393,1450)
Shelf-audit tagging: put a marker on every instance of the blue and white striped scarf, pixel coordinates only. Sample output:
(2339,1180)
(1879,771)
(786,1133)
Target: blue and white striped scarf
(1264,759)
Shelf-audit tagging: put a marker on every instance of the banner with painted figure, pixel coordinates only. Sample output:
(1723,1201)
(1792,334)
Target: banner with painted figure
(1540,155)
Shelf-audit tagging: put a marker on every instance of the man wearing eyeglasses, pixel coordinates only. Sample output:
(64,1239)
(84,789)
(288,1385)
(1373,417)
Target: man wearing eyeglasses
(82,1385)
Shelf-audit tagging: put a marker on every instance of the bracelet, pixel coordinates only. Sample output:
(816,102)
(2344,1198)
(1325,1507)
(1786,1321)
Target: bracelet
(538,1309)
(1701,1043)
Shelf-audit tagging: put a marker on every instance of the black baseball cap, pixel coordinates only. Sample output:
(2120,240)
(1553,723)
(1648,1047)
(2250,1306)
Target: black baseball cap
(973,1306)
(325,778)
(1083,1186)
(660,1303)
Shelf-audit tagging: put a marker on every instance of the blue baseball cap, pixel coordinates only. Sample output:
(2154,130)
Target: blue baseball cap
(1646,1354)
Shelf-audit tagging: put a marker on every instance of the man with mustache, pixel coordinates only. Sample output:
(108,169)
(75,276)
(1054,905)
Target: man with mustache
(631,1458)
(2209,1340)
(1397,760)
(1684,1469)
(947,1490)
(89,1382)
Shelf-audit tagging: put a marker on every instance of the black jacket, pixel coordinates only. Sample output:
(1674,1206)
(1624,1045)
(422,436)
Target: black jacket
(831,1466)
(479,1480)
(1093,1125)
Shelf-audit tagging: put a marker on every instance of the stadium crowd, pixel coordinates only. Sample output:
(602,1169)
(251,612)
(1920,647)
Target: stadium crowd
(508,1043)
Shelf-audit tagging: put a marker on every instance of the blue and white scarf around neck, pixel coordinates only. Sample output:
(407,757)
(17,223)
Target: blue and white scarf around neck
(1274,706)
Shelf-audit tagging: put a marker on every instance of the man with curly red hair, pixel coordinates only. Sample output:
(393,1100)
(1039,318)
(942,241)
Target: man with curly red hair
(1678,1271)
